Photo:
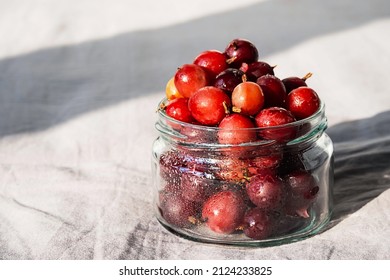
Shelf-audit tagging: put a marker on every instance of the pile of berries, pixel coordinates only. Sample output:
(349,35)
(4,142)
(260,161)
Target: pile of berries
(259,192)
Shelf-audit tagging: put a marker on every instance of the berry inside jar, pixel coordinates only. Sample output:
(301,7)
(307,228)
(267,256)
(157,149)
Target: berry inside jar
(239,159)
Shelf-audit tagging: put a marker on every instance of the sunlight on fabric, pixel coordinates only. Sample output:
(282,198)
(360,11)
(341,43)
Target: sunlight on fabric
(46,23)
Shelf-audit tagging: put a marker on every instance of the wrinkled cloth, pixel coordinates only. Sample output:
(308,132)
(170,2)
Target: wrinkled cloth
(79,87)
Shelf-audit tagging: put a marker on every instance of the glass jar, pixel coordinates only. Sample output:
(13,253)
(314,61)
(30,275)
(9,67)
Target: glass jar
(274,190)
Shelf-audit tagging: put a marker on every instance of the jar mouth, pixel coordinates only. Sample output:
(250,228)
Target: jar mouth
(291,133)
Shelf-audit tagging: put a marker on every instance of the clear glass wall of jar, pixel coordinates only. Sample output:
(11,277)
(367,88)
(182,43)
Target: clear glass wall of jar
(274,190)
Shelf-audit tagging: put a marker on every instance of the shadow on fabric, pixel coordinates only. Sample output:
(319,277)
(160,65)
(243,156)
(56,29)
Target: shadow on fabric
(47,87)
(362,162)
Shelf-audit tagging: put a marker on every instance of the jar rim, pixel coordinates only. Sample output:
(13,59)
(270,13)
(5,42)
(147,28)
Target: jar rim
(320,113)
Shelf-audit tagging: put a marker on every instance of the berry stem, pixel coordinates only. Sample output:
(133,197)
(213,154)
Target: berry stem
(231,60)
(227,112)
(307,76)
(236,110)
(161,107)
(194,220)
(240,228)
(246,176)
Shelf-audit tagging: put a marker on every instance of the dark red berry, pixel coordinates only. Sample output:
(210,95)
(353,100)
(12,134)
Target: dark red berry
(292,83)
(223,211)
(189,78)
(302,190)
(273,89)
(241,51)
(209,105)
(259,224)
(266,191)
(265,162)
(258,69)
(303,102)
(270,118)
(178,109)
(232,169)
(178,211)
(195,187)
(214,61)
(199,163)
(171,166)
(228,79)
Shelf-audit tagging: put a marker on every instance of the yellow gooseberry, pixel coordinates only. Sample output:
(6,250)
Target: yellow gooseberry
(171,90)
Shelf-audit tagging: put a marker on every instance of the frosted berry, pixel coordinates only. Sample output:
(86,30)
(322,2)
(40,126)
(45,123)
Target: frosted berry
(195,187)
(259,224)
(266,191)
(178,211)
(223,212)
(302,190)
(232,169)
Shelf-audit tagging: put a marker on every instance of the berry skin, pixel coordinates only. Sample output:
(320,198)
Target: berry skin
(209,105)
(178,211)
(266,191)
(178,109)
(265,162)
(236,129)
(273,89)
(302,190)
(214,61)
(232,169)
(171,167)
(228,79)
(241,51)
(247,98)
(292,83)
(258,69)
(258,223)
(189,78)
(195,188)
(303,102)
(223,211)
(275,116)
(171,91)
